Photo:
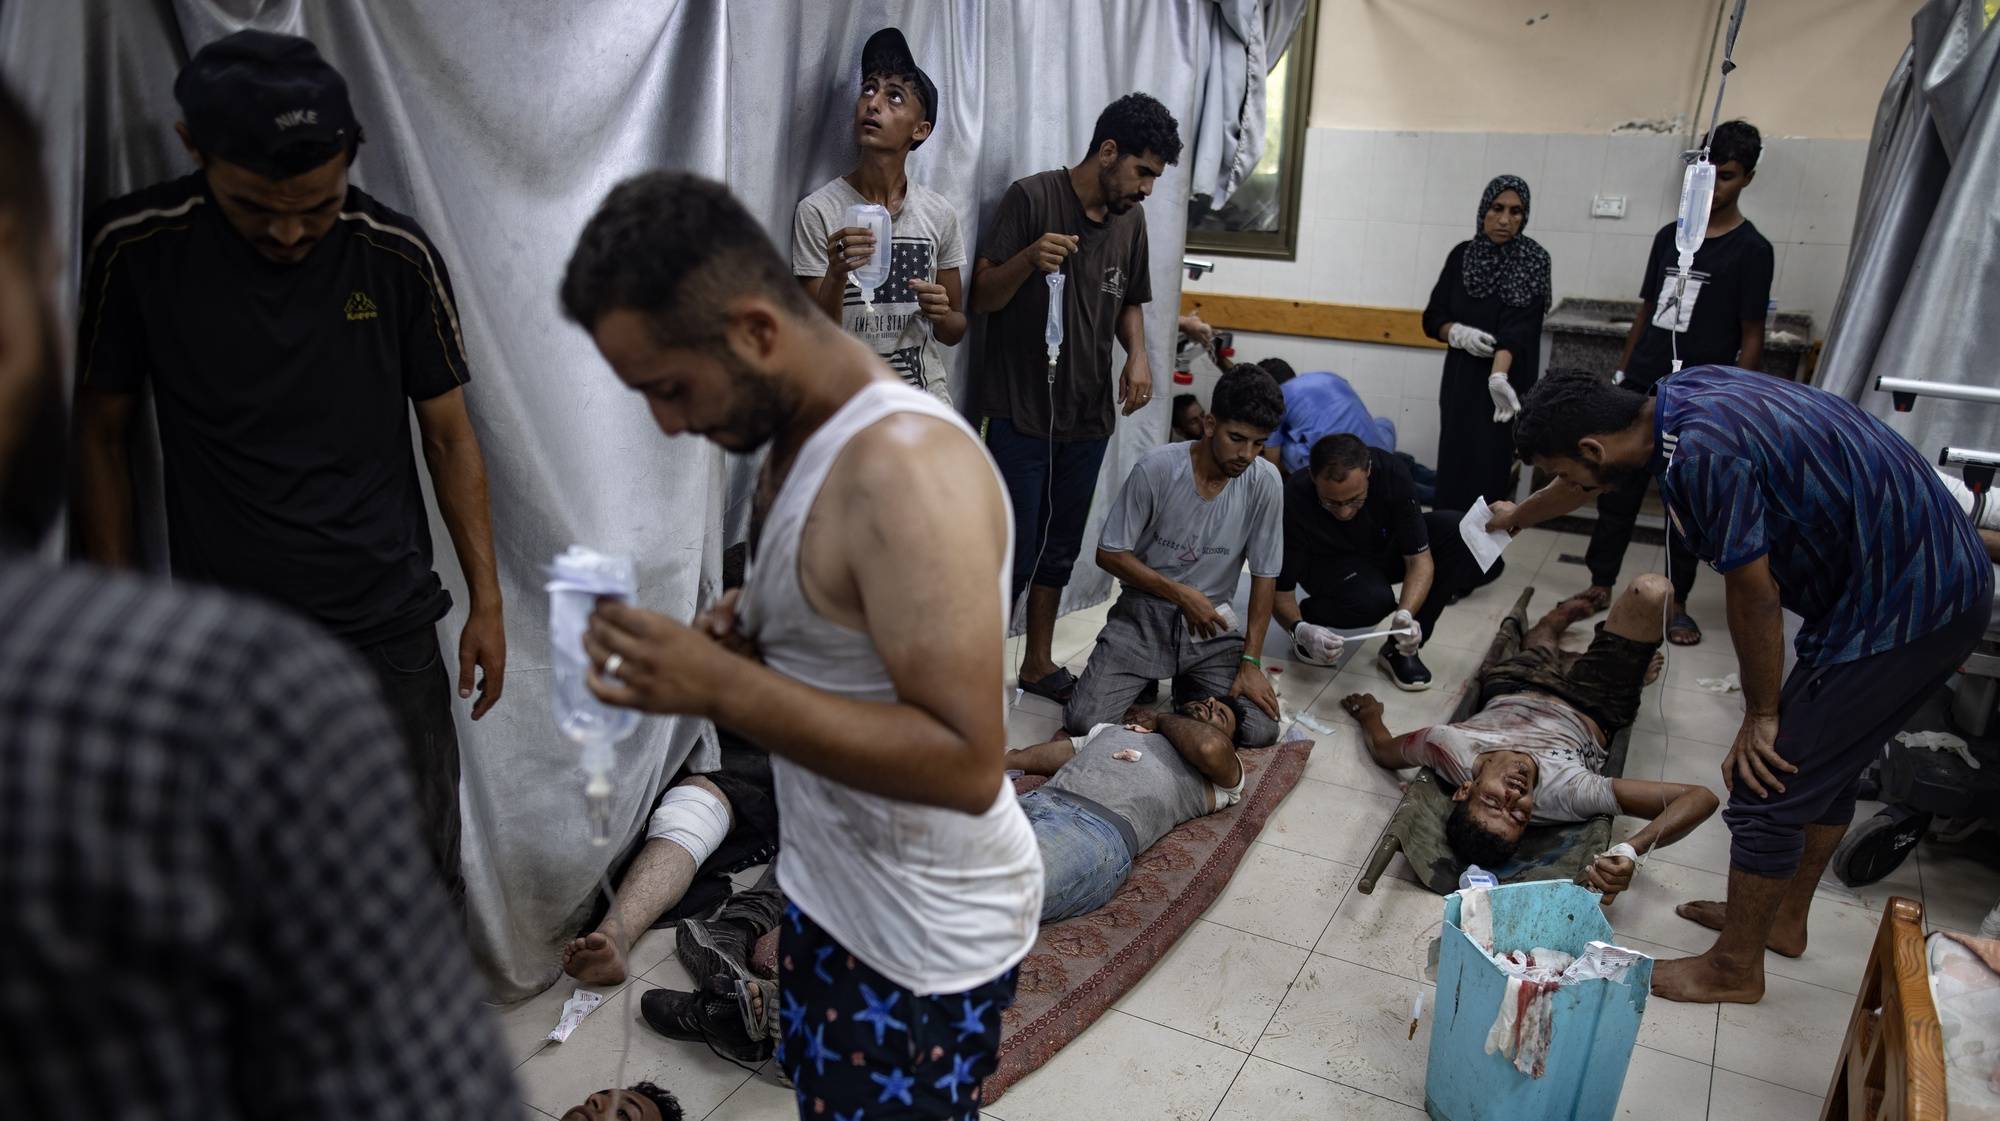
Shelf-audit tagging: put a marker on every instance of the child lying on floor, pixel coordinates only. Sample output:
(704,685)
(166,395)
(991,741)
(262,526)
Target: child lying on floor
(1536,750)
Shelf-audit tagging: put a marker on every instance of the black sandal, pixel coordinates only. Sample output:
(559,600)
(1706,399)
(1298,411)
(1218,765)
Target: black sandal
(1057,687)
(1682,626)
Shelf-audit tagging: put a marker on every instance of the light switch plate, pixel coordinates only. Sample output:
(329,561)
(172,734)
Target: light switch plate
(1607,206)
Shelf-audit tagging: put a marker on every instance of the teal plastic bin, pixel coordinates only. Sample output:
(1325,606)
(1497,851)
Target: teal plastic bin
(1595,1022)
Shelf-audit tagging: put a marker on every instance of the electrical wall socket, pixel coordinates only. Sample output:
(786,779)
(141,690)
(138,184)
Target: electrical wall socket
(1607,206)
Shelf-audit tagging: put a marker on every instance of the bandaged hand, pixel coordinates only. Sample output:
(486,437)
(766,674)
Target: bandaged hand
(1316,644)
(1408,642)
(1505,404)
(1471,340)
(1611,872)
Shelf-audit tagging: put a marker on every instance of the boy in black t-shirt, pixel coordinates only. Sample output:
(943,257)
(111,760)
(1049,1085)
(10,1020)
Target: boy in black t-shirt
(1718,320)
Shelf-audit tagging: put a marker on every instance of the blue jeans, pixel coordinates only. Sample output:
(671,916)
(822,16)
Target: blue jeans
(1050,484)
(1084,859)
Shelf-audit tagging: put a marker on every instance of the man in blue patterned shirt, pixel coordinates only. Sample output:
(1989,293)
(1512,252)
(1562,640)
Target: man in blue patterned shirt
(1803,502)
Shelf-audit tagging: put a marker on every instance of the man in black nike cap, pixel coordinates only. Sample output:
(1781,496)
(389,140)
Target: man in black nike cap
(285,322)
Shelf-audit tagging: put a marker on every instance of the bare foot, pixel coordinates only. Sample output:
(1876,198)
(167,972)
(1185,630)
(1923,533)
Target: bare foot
(1698,980)
(594,959)
(1591,600)
(1783,940)
(1653,668)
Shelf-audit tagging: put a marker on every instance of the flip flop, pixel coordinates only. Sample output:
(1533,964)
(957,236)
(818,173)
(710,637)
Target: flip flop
(1684,631)
(1056,687)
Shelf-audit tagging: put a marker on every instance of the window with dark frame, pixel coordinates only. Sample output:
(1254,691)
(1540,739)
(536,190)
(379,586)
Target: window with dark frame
(1261,219)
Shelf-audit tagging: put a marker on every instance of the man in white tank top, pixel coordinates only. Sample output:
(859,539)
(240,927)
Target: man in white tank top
(863,652)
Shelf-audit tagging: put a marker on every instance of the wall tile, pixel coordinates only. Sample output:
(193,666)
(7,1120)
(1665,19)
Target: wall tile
(1811,281)
(1434,244)
(1646,169)
(1339,189)
(1569,260)
(1517,153)
(1569,180)
(1454,175)
(1395,176)
(1417,430)
(1823,213)
(1773,195)
(1418,372)
(1388,263)
(1617,266)
(1336,263)
(1292,280)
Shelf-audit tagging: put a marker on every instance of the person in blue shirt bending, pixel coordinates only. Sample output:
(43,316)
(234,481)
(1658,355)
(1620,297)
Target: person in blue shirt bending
(1803,502)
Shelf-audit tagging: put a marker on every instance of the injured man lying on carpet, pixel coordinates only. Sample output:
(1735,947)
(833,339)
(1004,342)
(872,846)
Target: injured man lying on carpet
(1115,791)
(1536,750)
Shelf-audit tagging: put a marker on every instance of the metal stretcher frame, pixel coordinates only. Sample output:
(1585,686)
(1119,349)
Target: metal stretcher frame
(1547,852)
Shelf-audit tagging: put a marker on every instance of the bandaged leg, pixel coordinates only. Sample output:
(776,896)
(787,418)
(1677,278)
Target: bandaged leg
(657,879)
(693,815)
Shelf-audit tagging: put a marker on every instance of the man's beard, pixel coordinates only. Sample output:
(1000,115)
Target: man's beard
(32,472)
(759,407)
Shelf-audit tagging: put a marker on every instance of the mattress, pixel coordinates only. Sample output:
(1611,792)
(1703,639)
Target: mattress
(1966,993)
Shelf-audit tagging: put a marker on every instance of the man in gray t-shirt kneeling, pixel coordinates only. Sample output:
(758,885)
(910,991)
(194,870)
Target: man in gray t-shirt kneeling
(1113,793)
(1187,518)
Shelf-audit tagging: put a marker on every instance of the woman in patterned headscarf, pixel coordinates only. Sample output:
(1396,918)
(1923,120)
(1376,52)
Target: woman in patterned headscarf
(1487,306)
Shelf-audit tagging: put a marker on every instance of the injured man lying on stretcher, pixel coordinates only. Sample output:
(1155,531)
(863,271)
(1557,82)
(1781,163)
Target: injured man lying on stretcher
(1115,791)
(1536,750)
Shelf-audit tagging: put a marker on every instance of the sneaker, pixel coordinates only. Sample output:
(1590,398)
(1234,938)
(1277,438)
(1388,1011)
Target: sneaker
(1406,671)
(716,1016)
(713,949)
(1149,694)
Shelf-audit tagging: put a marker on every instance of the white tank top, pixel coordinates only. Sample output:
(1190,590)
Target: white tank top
(936,900)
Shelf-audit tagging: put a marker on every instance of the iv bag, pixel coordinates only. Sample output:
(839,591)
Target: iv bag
(874,218)
(1697,194)
(1052,329)
(577,580)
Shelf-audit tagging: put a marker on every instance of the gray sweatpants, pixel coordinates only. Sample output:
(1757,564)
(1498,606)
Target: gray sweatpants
(1146,639)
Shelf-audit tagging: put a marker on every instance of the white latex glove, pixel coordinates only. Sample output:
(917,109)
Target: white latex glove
(1505,404)
(1316,644)
(1415,631)
(1406,643)
(1618,377)
(1471,340)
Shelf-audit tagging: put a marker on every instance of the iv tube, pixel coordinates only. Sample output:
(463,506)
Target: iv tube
(1052,331)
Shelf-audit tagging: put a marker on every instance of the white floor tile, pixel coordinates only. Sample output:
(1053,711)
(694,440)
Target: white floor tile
(1663,1087)
(1331,822)
(1647,911)
(1736,1097)
(1451,667)
(1686,1030)
(525,1024)
(1217,983)
(1342,758)
(1402,712)
(564,1074)
(1280,894)
(1266,1091)
(1791,1037)
(1389,929)
(1123,1067)
(1350,1024)
(763,1098)
(1029,724)
(1707,717)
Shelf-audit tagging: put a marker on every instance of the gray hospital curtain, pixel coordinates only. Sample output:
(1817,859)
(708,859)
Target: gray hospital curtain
(500,125)
(1924,271)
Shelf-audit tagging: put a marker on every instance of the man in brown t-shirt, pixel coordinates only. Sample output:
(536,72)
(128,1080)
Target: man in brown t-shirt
(1048,424)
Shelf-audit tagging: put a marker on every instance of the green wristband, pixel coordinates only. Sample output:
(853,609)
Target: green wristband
(1258,662)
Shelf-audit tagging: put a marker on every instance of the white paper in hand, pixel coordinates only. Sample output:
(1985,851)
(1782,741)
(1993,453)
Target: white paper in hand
(1486,544)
